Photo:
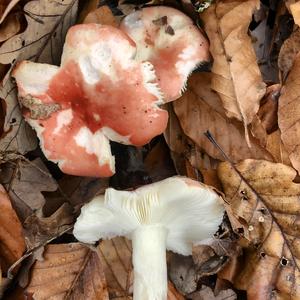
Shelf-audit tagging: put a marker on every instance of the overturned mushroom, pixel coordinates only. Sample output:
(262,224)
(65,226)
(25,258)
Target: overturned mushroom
(168,39)
(170,214)
(99,93)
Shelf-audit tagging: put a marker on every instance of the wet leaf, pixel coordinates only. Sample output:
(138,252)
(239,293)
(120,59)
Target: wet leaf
(236,76)
(68,271)
(12,243)
(289,114)
(263,207)
(200,109)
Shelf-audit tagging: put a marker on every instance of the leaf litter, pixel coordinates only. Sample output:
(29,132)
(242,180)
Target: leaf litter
(247,101)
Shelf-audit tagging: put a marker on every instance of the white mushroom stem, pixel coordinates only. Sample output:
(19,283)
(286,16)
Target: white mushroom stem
(149,263)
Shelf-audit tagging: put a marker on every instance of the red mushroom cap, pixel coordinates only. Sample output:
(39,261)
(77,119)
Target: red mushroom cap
(99,93)
(168,39)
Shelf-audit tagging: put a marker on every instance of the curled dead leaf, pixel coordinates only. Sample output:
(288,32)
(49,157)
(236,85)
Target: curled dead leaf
(263,207)
(236,76)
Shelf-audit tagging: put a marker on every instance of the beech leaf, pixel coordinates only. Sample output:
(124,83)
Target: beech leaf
(200,109)
(236,76)
(68,271)
(263,206)
(289,114)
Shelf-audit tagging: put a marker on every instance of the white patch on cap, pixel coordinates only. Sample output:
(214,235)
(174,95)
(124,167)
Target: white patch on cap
(34,78)
(64,118)
(116,137)
(187,62)
(95,143)
(150,81)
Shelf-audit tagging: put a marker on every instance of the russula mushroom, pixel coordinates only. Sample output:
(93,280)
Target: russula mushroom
(171,214)
(168,39)
(99,93)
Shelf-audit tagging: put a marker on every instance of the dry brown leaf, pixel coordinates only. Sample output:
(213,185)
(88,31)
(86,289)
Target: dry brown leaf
(69,271)
(6,8)
(275,146)
(12,243)
(265,121)
(288,52)
(158,163)
(263,206)
(188,158)
(87,7)
(10,27)
(101,15)
(206,293)
(289,114)
(48,22)
(295,10)
(25,182)
(199,110)
(115,256)
(236,76)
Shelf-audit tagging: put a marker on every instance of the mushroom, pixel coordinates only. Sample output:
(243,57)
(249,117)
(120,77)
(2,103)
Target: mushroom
(168,39)
(99,93)
(171,214)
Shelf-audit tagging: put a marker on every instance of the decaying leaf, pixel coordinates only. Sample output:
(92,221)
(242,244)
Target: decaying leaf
(289,114)
(12,243)
(18,137)
(69,271)
(25,182)
(182,272)
(40,229)
(42,41)
(236,76)
(288,52)
(263,206)
(200,109)
(115,255)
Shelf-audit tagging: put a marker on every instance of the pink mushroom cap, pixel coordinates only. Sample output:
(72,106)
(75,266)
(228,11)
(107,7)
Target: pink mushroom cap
(171,42)
(99,93)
